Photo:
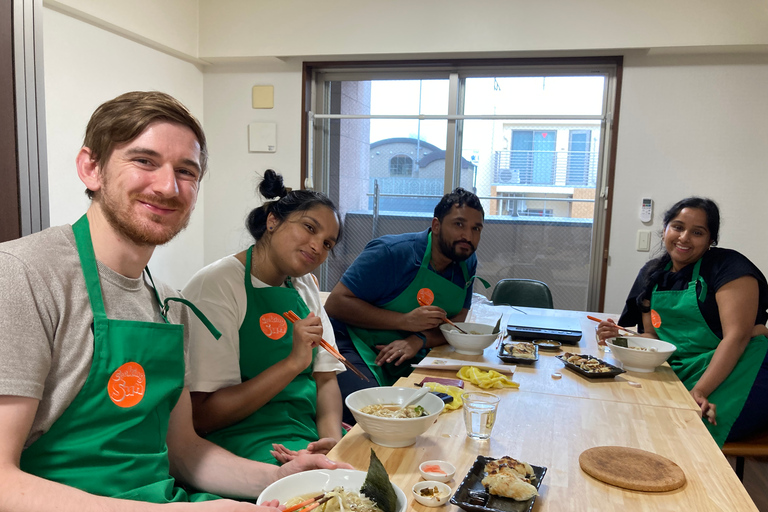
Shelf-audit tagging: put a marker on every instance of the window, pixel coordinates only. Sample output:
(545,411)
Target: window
(401,165)
(387,140)
(579,158)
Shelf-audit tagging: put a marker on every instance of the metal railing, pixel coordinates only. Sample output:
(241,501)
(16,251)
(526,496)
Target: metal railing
(557,168)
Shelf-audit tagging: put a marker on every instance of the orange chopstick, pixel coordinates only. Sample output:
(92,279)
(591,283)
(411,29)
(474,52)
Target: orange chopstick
(310,503)
(594,319)
(293,318)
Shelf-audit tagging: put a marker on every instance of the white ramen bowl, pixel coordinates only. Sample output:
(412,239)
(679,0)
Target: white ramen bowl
(469,344)
(393,432)
(643,361)
(318,481)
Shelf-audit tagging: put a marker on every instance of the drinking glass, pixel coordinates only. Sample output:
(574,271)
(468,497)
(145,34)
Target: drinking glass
(479,413)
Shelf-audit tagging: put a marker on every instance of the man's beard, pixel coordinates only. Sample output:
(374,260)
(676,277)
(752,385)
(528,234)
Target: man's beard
(449,249)
(140,231)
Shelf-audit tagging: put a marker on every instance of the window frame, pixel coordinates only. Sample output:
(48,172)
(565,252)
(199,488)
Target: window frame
(611,66)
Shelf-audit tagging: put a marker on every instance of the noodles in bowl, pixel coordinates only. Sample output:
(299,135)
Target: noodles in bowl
(390,431)
(394,411)
(339,500)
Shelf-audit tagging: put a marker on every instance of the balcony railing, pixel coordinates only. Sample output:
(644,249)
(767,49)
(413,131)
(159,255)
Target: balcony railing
(555,168)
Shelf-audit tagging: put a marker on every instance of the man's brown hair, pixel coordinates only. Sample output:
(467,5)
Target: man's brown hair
(124,118)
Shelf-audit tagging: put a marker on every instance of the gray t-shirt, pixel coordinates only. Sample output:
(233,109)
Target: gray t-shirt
(46,343)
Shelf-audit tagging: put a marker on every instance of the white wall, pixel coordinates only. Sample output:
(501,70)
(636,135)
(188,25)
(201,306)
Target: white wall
(695,125)
(247,28)
(85,66)
(691,122)
(230,190)
(169,23)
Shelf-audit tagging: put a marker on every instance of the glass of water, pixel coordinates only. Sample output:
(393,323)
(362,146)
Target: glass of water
(479,413)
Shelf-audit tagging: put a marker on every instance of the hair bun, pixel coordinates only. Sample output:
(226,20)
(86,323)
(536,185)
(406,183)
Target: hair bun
(271,185)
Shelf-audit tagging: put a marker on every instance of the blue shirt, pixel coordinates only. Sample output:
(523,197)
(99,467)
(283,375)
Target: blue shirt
(389,264)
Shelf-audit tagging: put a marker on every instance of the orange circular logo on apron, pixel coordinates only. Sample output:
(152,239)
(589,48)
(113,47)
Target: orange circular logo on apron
(655,319)
(425,297)
(273,325)
(127,384)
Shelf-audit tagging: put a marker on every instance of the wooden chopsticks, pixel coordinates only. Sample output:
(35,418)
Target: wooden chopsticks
(630,331)
(310,503)
(293,318)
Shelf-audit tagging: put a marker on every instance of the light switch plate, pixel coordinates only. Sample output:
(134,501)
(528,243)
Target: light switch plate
(643,240)
(262,137)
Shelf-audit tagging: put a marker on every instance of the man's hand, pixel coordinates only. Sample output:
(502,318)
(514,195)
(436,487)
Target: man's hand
(398,351)
(230,506)
(321,446)
(305,462)
(423,318)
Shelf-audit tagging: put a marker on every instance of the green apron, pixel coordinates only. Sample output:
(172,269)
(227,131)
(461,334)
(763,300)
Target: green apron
(111,440)
(438,291)
(677,319)
(265,339)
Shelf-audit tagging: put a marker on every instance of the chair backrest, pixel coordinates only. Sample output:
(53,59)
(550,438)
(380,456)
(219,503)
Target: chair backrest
(522,292)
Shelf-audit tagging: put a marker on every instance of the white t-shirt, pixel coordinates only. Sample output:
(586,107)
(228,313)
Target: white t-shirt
(218,291)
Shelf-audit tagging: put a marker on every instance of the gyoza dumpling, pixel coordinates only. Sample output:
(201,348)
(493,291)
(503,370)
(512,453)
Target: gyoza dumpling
(509,486)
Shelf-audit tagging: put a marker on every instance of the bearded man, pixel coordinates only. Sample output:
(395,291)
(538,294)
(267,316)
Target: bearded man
(389,303)
(94,412)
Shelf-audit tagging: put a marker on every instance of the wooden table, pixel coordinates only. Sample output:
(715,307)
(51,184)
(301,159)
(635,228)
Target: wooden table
(661,388)
(551,422)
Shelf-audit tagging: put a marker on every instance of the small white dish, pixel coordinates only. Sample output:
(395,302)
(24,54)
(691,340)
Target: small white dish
(444,493)
(448,471)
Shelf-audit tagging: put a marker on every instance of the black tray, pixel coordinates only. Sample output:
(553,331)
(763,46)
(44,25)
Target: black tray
(508,358)
(472,486)
(615,370)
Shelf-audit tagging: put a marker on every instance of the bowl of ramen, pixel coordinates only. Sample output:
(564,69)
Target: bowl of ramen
(479,338)
(341,486)
(377,411)
(639,354)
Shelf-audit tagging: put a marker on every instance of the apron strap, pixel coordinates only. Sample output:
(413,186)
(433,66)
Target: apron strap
(697,279)
(164,305)
(213,330)
(248,262)
(84,244)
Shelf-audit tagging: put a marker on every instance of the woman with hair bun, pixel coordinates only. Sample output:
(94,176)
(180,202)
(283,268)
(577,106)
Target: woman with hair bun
(711,304)
(265,381)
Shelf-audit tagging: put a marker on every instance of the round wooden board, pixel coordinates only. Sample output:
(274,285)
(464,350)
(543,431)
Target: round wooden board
(631,468)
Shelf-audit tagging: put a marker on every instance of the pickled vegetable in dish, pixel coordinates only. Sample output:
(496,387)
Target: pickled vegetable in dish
(394,411)
(431,492)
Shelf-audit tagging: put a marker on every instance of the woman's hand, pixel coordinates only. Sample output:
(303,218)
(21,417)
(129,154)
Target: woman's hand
(607,329)
(708,410)
(423,318)
(321,446)
(759,330)
(305,462)
(307,334)
(398,351)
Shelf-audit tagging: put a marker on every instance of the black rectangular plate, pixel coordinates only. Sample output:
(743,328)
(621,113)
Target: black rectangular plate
(615,370)
(507,358)
(473,483)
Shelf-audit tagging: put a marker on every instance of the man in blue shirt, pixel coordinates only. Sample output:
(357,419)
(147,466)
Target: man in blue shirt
(389,303)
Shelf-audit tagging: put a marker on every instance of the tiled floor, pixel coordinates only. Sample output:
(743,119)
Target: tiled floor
(756,481)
